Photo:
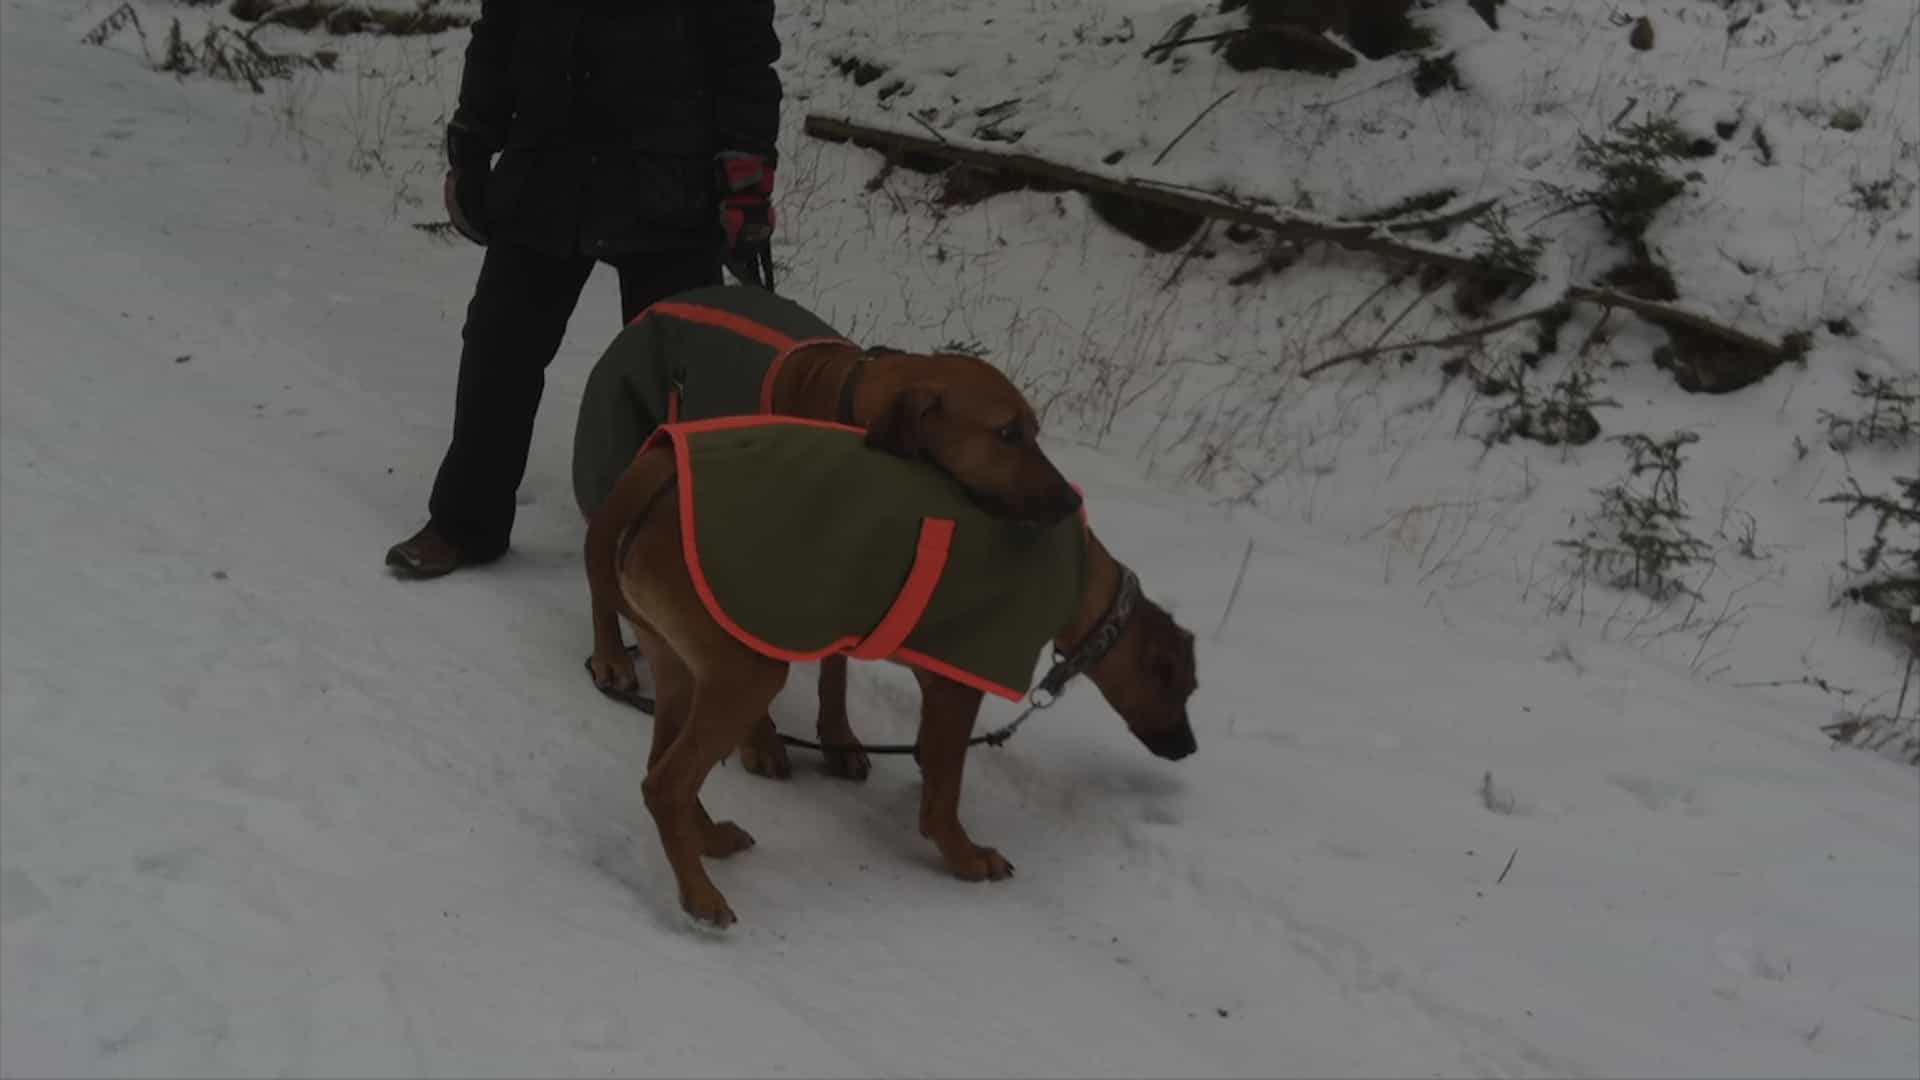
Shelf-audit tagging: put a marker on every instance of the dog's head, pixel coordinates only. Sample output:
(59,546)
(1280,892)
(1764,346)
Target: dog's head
(964,415)
(1148,677)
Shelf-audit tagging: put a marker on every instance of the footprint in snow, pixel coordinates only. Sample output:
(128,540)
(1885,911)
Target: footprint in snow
(1658,795)
(171,865)
(19,896)
(1738,952)
(1156,813)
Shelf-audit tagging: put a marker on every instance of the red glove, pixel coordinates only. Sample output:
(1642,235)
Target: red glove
(746,215)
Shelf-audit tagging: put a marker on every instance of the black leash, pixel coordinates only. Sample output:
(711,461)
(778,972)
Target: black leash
(753,267)
(1066,666)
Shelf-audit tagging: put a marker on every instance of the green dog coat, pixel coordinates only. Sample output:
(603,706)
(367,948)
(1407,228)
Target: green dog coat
(702,354)
(804,542)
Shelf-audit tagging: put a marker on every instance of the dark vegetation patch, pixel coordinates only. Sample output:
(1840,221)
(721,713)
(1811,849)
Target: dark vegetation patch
(1375,28)
(861,71)
(1436,73)
(1703,363)
(1641,276)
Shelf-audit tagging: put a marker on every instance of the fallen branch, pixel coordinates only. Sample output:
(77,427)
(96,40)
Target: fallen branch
(1376,238)
(1358,236)
(1656,312)
(1460,338)
(347,17)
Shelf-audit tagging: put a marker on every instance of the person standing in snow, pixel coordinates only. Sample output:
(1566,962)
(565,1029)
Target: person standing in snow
(639,135)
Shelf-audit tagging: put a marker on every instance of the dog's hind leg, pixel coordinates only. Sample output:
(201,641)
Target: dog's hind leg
(723,711)
(634,493)
(675,693)
(947,713)
(834,729)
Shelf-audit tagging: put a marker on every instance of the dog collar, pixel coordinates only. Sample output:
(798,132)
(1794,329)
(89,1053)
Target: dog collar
(847,388)
(1096,645)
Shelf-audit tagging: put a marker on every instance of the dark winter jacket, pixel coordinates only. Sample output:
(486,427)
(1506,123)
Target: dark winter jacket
(607,115)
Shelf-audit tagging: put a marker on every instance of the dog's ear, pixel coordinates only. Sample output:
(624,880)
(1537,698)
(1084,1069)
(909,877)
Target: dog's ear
(901,429)
(1168,653)
(1159,659)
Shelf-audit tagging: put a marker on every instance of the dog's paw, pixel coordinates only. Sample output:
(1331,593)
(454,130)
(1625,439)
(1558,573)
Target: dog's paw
(848,764)
(614,673)
(763,754)
(979,864)
(724,838)
(708,909)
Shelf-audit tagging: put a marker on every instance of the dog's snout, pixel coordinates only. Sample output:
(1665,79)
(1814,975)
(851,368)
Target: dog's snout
(1056,506)
(1173,745)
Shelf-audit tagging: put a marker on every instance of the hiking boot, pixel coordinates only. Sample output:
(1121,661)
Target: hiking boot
(429,554)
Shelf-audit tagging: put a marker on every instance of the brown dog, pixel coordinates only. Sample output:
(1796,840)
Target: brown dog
(958,411)
(712,688)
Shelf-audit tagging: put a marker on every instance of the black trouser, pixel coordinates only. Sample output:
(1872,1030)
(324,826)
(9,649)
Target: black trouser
(514,325)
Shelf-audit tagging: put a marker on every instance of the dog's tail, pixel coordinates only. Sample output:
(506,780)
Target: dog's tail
(612,526)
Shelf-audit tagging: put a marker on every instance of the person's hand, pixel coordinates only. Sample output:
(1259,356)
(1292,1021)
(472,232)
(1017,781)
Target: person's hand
(746,216)
(465,189)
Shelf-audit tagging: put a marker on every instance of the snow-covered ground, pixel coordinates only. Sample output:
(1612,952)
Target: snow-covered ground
(265,811)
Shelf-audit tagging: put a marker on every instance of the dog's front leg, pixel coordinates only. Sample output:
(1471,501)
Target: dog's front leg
(833,726)
(947,713)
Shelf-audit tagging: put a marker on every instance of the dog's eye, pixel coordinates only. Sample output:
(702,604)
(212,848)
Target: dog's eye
(1012,434)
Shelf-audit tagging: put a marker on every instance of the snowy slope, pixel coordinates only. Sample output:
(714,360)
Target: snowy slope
(1165,359)
(265,811)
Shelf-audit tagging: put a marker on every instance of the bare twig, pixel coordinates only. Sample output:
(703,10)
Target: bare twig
(1805,680)
(1631,102)
(1899,707)
(1425,291)
(1191,124)
(1593,335)
(1451,217)
(1199,241)
(1501,880)
(1343,99)
(1165,47)
(1245,558)
(930,128)
(1177,30)
(1460,338)
(1394,279)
